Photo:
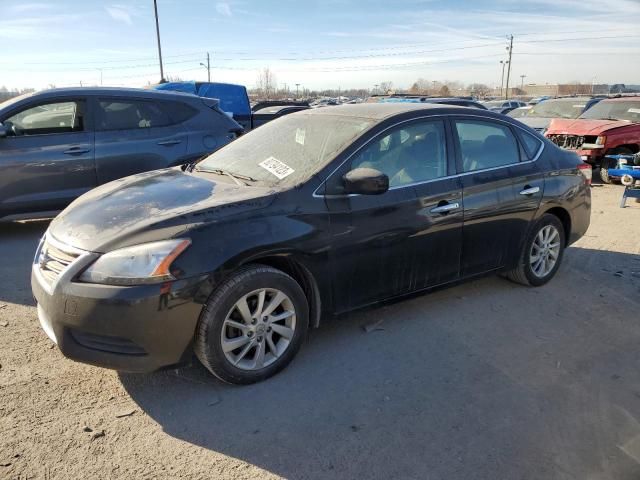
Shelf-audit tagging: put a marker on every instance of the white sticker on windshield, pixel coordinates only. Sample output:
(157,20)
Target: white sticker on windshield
(276,167)
(300,134)
(579,106)
(634,110)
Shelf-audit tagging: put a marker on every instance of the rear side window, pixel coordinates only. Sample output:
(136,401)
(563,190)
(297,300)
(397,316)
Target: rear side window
(486,145)
(530,143)
(119,114)
(48,118)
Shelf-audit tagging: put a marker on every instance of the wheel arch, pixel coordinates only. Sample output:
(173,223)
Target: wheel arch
(565,218)
(301,274)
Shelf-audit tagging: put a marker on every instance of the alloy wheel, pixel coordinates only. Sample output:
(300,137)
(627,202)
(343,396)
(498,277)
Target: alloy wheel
(258,329)
(545,251)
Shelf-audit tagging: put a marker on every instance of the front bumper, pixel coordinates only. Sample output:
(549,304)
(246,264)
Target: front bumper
(135,329)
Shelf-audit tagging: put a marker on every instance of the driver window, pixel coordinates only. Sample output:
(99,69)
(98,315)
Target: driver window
(48,118)
(410,154)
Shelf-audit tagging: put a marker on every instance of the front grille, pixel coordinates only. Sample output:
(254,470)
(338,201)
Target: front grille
(572,142)
(105,343)
(54,259)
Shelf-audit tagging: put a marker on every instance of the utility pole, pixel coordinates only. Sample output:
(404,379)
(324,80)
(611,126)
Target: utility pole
(297,90)
(522,77)
(155,9)
(208,67)
(100,76)
(506,94)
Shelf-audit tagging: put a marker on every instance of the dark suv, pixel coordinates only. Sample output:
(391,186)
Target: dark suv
(57,144)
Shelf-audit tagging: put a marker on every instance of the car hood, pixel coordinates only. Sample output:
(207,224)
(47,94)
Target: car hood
(152,206)
(538,123)
(583,126)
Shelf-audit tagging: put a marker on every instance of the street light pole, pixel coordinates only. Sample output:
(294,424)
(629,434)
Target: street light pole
(208,67)
(155,9)
(522,83)
(504,64)
(297,90)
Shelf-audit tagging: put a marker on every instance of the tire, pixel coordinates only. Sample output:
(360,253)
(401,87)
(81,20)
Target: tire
(262,347)
(524,273)
(604,174)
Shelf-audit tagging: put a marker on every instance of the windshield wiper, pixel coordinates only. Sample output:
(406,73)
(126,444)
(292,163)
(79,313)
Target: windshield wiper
(236,177)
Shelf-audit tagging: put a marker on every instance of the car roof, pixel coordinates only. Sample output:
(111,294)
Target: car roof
(623,99)
(109,91)
(380,111)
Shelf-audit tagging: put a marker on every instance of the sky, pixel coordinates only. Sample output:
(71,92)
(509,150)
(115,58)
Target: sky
(325,44)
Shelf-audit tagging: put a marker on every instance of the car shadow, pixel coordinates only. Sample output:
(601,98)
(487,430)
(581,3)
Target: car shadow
(18,242)
(483,380)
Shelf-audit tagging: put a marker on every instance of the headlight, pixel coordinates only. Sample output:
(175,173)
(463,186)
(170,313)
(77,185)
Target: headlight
(140,264)
(601,140)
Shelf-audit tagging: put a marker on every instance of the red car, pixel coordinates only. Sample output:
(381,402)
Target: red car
(612,126)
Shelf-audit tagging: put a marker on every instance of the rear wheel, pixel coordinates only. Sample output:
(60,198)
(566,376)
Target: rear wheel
(252,326)
(542,253)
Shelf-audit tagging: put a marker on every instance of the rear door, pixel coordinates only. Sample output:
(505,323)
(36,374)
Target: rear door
(135,135)
(49,159)
(487,152)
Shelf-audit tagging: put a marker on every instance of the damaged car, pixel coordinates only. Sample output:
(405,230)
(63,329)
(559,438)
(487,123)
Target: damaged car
(611,127)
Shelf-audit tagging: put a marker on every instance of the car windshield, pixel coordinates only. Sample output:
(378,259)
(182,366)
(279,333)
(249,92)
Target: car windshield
(558,108)
(289,150)
(494,103)
(614,110)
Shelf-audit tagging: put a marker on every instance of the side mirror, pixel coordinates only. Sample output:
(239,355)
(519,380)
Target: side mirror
(4,131)
(365,181)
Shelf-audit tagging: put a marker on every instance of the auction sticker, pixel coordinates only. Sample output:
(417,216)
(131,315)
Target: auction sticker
(278,168)
(300,134)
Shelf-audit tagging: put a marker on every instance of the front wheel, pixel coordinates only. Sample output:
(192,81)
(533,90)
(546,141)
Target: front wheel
(252,326)
(542,253)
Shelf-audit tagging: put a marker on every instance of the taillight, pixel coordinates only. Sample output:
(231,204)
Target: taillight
(585,169)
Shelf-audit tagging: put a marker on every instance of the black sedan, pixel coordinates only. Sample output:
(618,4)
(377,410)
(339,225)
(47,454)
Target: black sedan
(315,214)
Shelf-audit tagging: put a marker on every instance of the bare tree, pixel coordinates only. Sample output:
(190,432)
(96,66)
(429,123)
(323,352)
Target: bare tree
(420,87)
(444,91)
(386,87)
(479,90)
(266,83)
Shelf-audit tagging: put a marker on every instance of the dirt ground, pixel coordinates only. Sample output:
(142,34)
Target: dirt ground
(487,380)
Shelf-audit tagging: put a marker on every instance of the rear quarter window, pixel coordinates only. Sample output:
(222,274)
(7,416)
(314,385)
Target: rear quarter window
(531,143)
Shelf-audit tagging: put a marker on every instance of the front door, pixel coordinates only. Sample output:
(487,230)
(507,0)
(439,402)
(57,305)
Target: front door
(47,160)
(401,241)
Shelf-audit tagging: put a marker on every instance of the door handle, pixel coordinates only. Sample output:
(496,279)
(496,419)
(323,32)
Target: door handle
(76,151)
(444,209)
(529,190)
(168,143)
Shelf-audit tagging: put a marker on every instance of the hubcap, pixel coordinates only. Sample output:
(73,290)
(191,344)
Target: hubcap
(258,329)
(545,251)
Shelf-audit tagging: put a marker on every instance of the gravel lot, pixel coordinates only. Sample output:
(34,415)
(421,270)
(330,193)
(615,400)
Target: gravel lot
(487,380)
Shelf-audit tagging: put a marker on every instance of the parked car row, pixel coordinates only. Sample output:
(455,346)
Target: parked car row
(540,115)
